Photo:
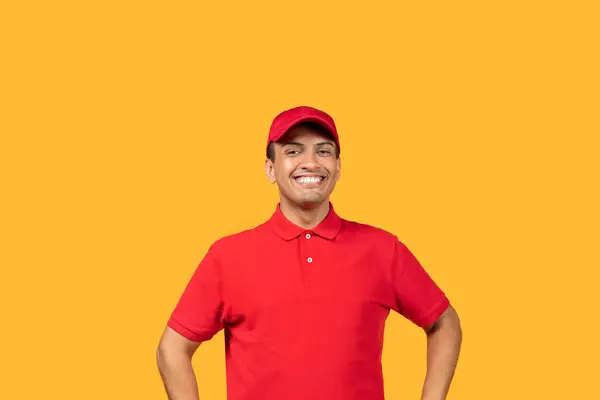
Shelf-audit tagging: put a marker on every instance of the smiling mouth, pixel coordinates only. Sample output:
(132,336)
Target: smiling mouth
(309,181)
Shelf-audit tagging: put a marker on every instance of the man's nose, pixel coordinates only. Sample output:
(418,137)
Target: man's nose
(309,160)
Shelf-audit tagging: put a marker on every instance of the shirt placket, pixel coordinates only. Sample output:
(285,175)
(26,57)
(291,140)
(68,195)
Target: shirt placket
(308,259)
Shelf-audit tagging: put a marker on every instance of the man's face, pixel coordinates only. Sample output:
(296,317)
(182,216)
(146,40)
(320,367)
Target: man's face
(305,168)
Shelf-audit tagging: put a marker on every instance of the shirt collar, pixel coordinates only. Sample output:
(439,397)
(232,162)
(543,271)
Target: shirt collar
(328,228)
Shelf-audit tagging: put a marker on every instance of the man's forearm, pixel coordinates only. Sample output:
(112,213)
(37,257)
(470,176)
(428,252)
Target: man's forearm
(443,347)
(178,376)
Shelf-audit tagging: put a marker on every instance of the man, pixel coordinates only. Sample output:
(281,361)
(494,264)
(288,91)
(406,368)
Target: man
(303,297)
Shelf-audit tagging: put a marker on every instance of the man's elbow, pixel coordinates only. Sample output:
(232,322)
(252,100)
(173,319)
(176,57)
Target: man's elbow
(165,355)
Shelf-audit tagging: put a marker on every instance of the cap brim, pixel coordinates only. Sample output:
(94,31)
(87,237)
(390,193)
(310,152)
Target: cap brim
(285,128)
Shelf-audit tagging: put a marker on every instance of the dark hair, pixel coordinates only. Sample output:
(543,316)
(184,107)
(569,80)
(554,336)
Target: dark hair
(312,126)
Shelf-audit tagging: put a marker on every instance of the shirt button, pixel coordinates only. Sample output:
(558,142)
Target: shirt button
(308,235)
(309,259)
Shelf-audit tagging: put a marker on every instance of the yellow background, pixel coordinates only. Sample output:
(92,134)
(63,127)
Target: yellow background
(132,137)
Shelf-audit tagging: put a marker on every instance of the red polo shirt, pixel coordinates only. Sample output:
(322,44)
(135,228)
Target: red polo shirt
(304,310)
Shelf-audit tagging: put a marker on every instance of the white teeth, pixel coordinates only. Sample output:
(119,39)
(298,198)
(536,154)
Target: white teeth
(307,179)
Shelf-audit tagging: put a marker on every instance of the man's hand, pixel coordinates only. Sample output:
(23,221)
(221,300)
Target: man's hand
(444,338)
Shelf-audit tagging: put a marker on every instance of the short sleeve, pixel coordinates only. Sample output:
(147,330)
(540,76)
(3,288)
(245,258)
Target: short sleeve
(198,313)
(418,297)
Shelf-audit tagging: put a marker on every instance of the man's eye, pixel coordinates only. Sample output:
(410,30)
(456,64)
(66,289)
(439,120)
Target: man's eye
(325,152)
(292,152)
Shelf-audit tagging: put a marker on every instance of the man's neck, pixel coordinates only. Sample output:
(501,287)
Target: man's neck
(305,217)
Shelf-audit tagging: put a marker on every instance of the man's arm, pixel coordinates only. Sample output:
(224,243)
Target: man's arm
(174,358)
(444,338)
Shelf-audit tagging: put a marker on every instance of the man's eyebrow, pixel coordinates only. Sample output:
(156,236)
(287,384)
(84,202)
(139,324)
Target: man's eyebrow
(292,144)
(324,143)
(302,145)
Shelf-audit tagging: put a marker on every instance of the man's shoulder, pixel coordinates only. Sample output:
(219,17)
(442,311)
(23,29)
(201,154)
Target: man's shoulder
(240,239)
(361,228)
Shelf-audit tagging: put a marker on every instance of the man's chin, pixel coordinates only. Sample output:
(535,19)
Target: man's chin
(311,202)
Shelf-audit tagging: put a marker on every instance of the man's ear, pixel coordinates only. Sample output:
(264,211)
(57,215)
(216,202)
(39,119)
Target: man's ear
(270,171)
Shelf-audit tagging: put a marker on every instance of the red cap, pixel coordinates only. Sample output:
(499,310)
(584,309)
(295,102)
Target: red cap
(288,118)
